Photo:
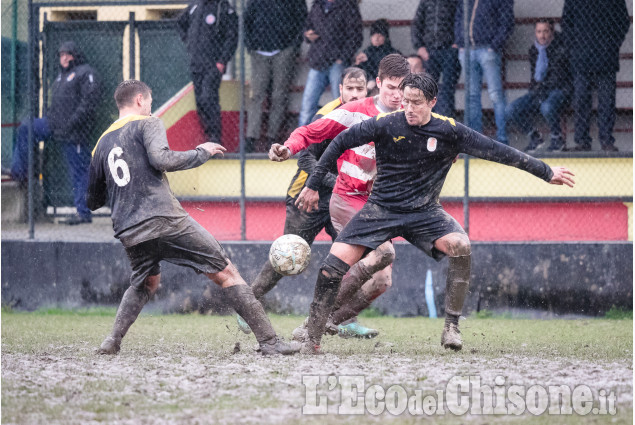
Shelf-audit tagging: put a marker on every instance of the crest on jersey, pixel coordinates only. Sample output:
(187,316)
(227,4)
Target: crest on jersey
(210,19)
(432,144)
(70,77)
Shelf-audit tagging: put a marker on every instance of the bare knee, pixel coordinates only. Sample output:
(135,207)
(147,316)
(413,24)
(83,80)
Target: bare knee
(229,276)
(454,245)
(152,284)
(381,257)
(380,283)
(386,253)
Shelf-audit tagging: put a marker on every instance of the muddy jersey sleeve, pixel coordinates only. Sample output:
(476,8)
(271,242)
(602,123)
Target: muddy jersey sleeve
(96,193)
(358,135)
(161,156)
(307,161)
(480,146)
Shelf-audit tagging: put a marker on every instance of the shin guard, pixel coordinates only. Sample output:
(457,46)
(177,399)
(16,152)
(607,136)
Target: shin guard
(241,299)
(457,284)
(326,288)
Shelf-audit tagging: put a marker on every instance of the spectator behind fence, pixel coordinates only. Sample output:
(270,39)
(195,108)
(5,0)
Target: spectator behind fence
(69,123)
(209,29)
(432,37)
(334,31)
(593,31)
(416,64)
(273,34)
(491,23)
(549,89)
(380,46)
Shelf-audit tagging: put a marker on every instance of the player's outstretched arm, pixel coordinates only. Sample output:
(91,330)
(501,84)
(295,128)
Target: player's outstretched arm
(162,157)
(213,148)
(279,153)
(562,176)
(308,200)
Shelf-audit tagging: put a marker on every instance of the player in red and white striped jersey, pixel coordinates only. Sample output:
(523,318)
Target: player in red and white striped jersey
(370,277)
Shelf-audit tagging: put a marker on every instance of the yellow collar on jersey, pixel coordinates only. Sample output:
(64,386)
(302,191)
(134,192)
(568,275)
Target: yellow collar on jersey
(117,125)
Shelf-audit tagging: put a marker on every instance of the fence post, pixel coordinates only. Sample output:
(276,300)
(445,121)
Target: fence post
(241,124)
(466,111)
(32,105)
(131,53)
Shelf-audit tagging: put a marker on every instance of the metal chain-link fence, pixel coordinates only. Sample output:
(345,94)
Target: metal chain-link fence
(532,67)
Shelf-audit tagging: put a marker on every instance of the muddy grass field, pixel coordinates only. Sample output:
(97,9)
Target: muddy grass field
(195,369)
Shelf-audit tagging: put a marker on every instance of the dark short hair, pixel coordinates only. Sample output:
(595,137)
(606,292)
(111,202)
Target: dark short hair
(422,81)
(393,66)
(127,90)
(354,72)
(380,26)
(547,21)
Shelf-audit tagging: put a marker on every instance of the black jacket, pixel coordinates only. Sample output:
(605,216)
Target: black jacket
(274,25)
(209,29)
(340,33)
(375,55)
(593,31)
(558,75)
(74,98)
(433,25)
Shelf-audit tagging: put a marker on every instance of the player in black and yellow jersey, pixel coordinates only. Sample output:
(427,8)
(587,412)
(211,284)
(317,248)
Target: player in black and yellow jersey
(297,222)
(128,171)
(415,149)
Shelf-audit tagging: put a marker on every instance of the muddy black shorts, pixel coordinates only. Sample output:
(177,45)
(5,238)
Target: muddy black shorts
(373,225)
(308,225)
(183,242)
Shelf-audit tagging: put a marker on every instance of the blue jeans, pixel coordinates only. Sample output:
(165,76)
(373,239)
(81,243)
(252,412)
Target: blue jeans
(20,159)
(445,62)
(315,84)
(522,112)
(78,158)
(485,63)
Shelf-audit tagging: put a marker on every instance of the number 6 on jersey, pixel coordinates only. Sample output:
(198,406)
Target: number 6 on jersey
(119,164)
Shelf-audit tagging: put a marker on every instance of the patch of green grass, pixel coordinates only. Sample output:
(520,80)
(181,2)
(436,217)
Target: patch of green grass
(371,312)
(195,334)
(85,311)
(617,313)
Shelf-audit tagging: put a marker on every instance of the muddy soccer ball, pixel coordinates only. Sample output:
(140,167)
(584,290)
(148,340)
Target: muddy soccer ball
(289,255)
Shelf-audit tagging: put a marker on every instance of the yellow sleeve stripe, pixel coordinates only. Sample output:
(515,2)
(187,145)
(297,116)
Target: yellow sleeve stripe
(332,105)
(117,125)
(298,184)
(444,118)
(385,114)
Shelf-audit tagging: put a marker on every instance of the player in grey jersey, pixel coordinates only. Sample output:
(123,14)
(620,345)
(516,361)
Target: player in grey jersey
(128,170)
(415,149)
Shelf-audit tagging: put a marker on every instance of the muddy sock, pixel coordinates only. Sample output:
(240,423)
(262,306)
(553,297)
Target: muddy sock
(451,319)
(266,280)
(241,298)
(131,304)
(355,305)
(457,284)
(326,287)
(352,283)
